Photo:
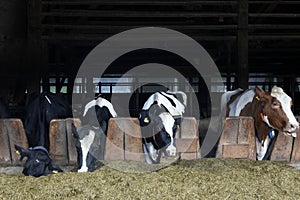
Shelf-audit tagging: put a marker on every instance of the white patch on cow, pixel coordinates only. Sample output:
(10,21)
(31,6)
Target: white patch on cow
(168,122)
(184,97)
(48,99)
(285,101)
(266,120)
(240,102)
(176,110)
(86,143)
(100,102)
(261,148)
(226,97)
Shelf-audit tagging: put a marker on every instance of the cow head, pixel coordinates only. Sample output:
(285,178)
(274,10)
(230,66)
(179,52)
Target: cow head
(166,134)
(144,118)
(164,127)
(91,137)
(89,147)
(276,110)
(38,161)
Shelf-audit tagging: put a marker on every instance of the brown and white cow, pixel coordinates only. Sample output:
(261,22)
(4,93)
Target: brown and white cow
(271,111)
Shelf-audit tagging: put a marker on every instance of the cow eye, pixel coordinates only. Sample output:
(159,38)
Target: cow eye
(275,104)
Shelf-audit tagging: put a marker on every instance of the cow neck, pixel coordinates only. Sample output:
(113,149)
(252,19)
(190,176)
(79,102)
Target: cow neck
(154,143)
(263,130)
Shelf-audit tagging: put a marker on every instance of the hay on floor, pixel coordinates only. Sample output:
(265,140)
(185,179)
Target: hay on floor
(197,179)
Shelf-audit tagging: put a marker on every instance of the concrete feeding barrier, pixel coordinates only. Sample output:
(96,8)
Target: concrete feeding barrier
(237,139)
(124,140)
(62,142)
(11,133)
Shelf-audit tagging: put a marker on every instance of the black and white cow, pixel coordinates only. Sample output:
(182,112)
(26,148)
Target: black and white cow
(159,119)
(90,144)
(42,108)
(38,161)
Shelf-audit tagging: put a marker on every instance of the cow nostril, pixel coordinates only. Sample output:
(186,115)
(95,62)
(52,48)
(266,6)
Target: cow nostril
(293,126)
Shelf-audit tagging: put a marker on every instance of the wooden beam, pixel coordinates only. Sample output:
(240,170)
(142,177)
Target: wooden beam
(118,28)
(275,15)
(134,14)
(272,1)
(176,27)
(100,38)
(274,26)
(242,44)
(140,3)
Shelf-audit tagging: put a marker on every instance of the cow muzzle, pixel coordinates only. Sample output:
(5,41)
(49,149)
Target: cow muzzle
(171,151)
(291,129)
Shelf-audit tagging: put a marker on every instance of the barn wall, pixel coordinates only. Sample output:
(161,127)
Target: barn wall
(22,55)
(12,42)
(49,39)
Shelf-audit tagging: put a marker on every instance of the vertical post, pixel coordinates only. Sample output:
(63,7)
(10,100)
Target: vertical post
(36,49)
(242,45)
(229,67)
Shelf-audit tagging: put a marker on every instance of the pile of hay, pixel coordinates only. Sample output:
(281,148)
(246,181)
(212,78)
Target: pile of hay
(197,179)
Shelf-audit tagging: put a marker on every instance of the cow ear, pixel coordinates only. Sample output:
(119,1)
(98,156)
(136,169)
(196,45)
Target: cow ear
(259,92)
(22,151)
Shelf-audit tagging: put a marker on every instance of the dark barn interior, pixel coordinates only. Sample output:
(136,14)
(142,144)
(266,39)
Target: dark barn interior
(43,43)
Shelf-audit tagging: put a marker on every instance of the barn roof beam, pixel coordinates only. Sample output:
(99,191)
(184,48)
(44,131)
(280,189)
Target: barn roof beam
(135,2)
(121,27)
(98,38)
(163,2)
(133,14)
(272,1)
(177,27)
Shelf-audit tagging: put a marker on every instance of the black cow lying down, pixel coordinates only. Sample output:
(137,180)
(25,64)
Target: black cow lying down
(38,162)
(91,137)
(42,108)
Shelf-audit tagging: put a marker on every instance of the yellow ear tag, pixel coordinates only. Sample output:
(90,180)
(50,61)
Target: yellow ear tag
(146,120)
(257,97)
(18,152)
(55,171)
